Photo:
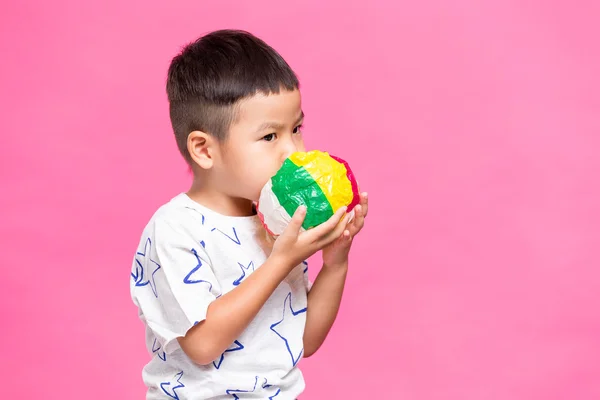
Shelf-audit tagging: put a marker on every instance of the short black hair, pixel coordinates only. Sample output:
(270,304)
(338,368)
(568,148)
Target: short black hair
(209,76)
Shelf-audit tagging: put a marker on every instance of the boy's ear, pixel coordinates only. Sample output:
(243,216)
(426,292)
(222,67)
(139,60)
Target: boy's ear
(201,147)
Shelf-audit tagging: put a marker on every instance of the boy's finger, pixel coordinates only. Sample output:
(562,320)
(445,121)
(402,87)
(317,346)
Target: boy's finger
(339,230)
(355,229)
(359,220)
(365,203)
(297,220)
(328,226)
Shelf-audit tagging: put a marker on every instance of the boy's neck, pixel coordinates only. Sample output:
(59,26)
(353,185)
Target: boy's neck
(220,202)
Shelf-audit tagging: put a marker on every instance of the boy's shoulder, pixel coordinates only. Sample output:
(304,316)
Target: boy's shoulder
(184,220)
(180,213)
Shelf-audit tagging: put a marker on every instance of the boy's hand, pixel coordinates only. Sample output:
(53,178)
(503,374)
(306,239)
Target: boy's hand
(336,253)
(293,246)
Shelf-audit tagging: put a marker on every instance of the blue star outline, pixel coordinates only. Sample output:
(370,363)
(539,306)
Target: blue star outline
(138,276)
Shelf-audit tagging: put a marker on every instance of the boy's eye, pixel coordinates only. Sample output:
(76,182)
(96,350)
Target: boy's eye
(269,138)
(298,129)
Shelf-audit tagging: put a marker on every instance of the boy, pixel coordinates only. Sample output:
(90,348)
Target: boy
(229,313)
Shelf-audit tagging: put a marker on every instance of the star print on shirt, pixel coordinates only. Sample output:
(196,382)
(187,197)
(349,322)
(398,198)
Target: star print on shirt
(274,388)
(264,385)
(190,279)
(305,266)
(170,389)
(294,345)
(244,269)
(138,276)
(235,235)
(155,349)
(236,346)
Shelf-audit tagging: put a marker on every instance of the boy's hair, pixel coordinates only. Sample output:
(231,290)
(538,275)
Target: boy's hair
(210,75)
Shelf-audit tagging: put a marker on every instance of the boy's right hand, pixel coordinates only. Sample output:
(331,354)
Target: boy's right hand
(293,246)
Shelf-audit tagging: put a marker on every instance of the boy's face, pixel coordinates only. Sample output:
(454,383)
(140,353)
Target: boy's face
(267,130)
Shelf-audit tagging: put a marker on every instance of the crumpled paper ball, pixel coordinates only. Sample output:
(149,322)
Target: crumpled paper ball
(321,182)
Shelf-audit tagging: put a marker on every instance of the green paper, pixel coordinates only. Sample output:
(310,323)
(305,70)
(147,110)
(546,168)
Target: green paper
(294,187)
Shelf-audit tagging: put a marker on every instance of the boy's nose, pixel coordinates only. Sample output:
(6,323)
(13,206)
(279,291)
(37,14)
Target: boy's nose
(288,150)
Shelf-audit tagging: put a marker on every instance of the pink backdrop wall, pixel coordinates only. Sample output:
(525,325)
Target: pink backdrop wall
(475,127)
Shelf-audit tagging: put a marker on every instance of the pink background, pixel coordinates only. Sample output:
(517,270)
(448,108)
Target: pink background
(475,127)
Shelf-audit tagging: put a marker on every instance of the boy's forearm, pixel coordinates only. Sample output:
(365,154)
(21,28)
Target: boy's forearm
(324,301)
(230,314)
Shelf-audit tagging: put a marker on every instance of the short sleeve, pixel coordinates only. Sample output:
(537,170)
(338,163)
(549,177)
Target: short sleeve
(173,282)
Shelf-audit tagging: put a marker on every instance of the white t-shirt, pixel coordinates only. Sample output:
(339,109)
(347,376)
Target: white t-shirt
(189,256)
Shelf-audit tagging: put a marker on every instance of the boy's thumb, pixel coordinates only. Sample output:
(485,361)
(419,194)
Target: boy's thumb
(297,220)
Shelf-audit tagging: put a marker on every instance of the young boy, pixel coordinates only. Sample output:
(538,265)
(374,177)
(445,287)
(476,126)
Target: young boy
(228,312)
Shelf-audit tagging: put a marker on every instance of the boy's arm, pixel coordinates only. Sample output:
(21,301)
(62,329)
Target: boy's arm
(324,300)
(230,314)
(325,295)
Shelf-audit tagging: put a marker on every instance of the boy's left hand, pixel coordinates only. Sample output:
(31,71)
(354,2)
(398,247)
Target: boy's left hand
(336,254)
